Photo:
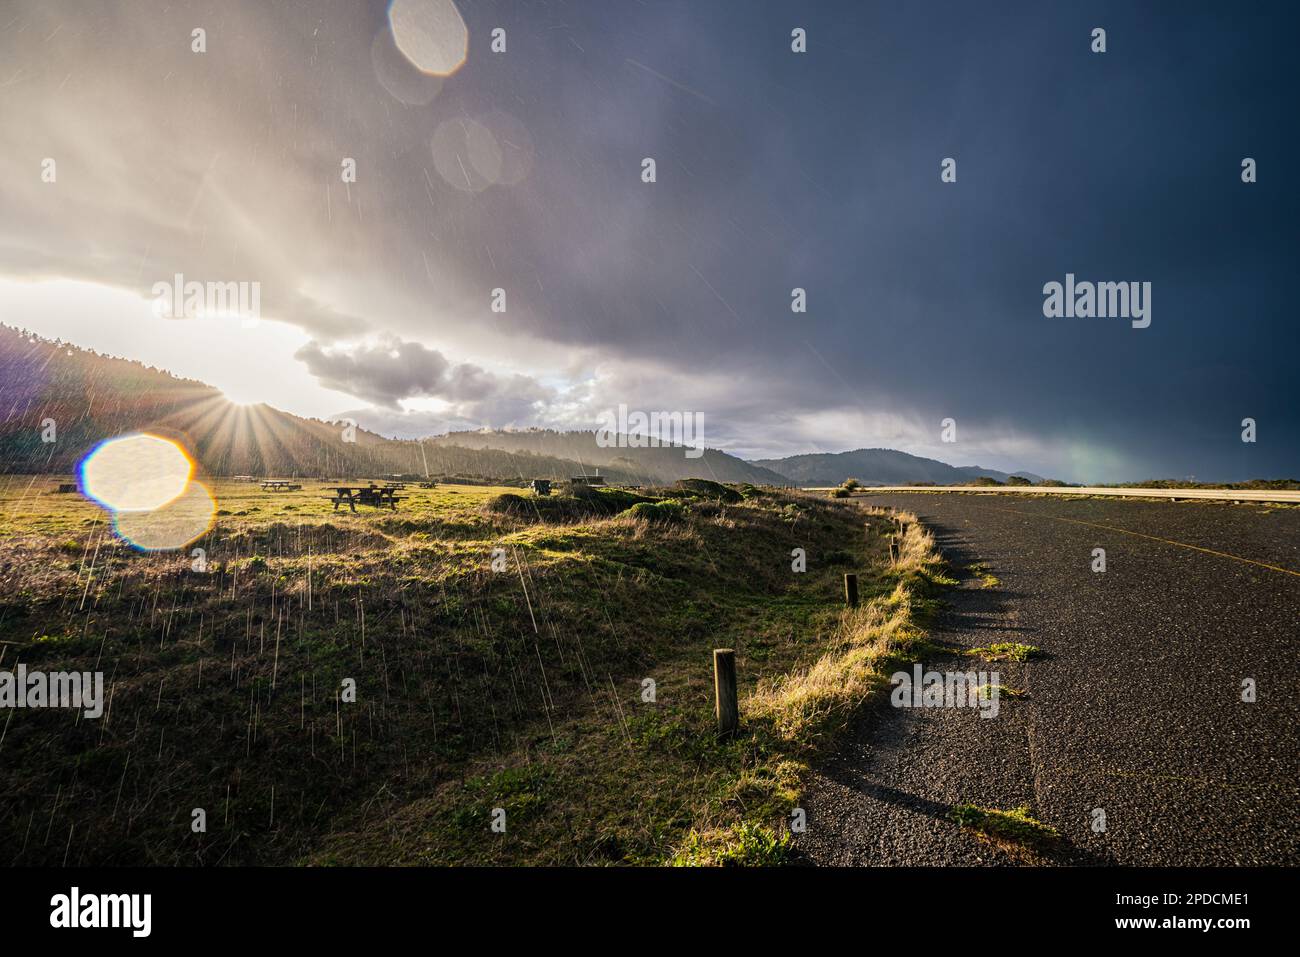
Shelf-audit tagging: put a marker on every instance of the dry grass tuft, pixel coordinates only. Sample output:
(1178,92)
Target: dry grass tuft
(804,705)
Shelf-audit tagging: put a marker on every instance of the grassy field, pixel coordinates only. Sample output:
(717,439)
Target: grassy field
(522,687)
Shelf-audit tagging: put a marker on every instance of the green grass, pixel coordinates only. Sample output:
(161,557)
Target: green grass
(745,845)
(476,689)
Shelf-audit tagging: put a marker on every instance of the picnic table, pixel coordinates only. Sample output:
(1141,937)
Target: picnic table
(354,495)
(280,486)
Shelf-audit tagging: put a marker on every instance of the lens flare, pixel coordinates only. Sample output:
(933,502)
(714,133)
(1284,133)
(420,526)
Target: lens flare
(430,34)
(466,154)
(473,153)
(175,525)
(135,473)
(398,75)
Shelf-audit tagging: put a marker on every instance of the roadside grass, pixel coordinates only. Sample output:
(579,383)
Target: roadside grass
(654,784)
(792,717)
(747,844)
(1016,832)
(521,690)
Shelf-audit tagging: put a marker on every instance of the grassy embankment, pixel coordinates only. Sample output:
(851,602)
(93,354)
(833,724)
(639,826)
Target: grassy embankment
(522,689)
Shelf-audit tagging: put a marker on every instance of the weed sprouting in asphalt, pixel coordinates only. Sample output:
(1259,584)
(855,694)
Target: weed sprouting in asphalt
(1005,651)
(1014,830)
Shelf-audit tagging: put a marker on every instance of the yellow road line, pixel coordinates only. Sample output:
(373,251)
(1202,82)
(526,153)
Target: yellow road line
(1154,538)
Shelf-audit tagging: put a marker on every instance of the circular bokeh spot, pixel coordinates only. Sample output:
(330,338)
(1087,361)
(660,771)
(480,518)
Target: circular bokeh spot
(135,473)
(175,525)
(398,76)
(466,154)
(513,146)
(430,34)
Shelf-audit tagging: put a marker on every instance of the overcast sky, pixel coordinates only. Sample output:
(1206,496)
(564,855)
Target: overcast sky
(522,171)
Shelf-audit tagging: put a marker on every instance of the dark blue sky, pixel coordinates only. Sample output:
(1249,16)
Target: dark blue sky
(1115,166)
(775,170)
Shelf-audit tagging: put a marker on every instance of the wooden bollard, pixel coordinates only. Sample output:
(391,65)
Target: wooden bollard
(724,690)
(851,589)
(893,550)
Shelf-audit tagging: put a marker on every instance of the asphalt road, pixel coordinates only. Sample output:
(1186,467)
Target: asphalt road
(1135,707)
(1274,496)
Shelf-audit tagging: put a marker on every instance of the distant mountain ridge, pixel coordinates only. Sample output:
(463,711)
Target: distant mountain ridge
(654,464)
(879,467)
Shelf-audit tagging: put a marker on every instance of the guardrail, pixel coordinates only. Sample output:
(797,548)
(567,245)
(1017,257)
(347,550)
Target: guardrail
(1280,496)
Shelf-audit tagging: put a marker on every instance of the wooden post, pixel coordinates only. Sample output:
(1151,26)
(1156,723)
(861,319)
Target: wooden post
(851,589)
(893,550)
(724,690)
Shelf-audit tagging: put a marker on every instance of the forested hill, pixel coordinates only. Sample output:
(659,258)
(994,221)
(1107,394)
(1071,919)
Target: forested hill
(880,467)
(90,397)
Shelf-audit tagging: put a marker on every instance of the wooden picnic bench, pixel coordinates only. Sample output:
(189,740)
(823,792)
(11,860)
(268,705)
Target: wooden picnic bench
(280,486)
(354,495)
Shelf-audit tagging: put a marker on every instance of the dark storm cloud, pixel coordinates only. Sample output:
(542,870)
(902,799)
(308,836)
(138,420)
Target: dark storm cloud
(775,170)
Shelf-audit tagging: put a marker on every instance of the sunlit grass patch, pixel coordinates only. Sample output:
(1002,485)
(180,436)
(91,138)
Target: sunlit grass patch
(802,705)
(1011,830)
(744,845)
